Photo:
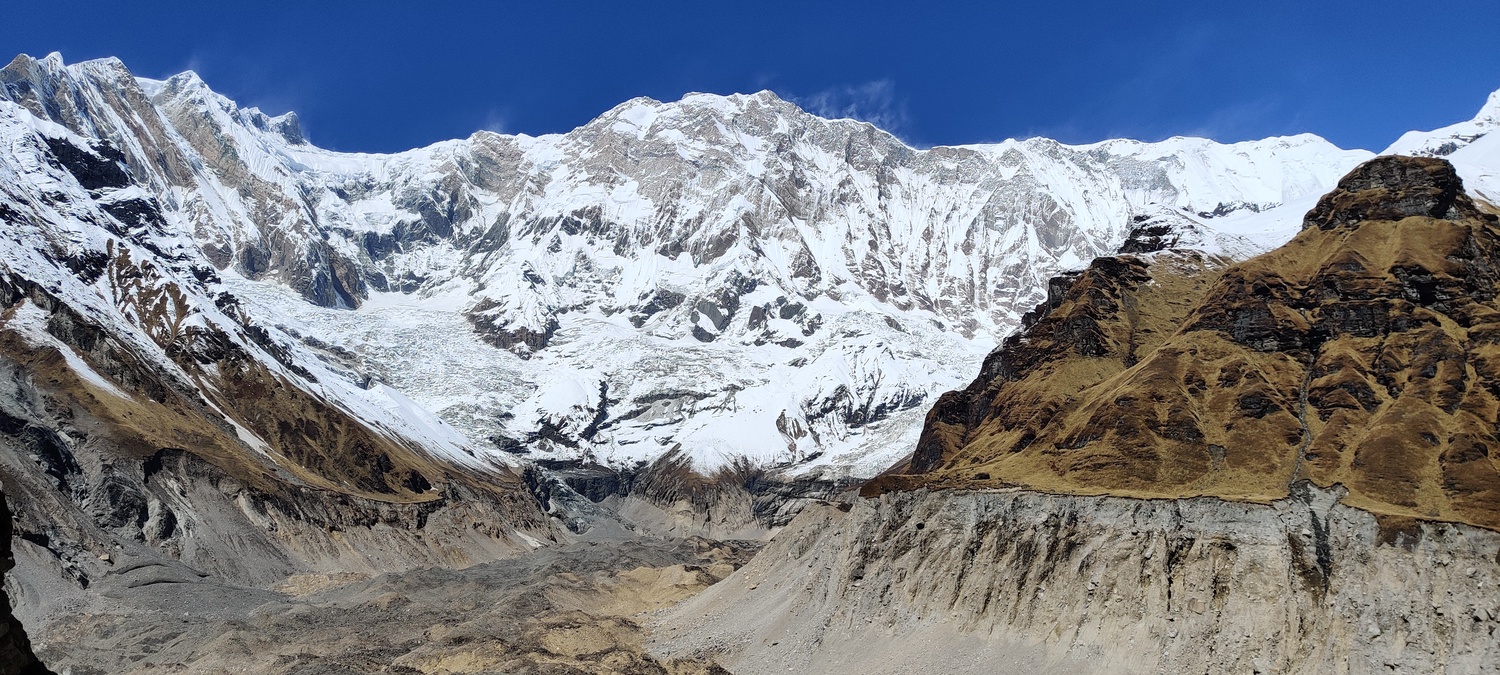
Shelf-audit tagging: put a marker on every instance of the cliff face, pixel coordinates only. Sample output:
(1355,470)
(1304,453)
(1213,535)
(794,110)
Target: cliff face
(176,449)
(1020,581)
(725,275)
(106,442)
(1183,465)
(16,657)
(1362,353)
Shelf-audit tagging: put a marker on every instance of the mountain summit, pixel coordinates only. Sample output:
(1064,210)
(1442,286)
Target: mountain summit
(1183,464)
(302,388)
(722,278)
(1360,354)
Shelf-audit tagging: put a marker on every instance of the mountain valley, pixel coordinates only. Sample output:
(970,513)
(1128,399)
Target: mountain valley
(665,394)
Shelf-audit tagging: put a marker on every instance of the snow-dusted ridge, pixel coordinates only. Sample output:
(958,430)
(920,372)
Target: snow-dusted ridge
(721,276)
(1472,147)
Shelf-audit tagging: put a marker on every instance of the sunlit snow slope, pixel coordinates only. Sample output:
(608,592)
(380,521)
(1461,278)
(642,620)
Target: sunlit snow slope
(721,276)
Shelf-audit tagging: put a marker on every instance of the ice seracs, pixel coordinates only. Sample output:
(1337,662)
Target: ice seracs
(719,277)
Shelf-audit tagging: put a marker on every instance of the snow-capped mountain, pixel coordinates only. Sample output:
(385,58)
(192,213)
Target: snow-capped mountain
(1471,145)
(722,277)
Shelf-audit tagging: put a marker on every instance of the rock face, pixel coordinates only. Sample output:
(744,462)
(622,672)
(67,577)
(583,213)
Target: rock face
(153,432)
(1183,465)
(723,277)
(1359,354)
(1019,581)
(16,657)
(1393,188)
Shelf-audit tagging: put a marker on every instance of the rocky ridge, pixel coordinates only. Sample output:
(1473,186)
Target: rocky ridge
(1021,581)
(1026,533)
(828,276)
(1357,354)
(220,343)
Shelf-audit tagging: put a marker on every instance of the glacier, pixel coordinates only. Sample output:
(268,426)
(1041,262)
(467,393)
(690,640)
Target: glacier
(717,279)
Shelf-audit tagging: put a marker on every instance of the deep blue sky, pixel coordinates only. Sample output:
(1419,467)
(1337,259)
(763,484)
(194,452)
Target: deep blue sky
(383,76)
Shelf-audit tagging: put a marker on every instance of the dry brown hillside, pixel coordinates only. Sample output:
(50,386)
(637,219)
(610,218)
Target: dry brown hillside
(1365,352)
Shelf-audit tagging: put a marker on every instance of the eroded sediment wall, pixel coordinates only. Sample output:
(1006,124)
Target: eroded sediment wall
(1104,584)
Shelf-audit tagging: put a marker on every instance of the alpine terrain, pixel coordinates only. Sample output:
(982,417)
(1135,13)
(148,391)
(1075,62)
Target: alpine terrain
(1187,464)
(484,405)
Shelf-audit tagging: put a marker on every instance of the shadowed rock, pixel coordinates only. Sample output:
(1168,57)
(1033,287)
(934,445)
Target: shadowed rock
(16,657)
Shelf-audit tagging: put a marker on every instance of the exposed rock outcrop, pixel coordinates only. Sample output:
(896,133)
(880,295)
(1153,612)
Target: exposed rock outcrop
(669,497)
(1282,465)
(16,657)
(783,248)
(1019,581)
(1362,353)
(1394,188)
(1149,235)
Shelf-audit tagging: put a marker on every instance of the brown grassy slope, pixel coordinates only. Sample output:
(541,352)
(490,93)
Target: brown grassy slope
(1364,352)
(311,442)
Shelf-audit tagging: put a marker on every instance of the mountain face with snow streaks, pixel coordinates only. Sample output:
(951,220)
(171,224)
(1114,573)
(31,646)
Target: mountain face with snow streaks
(719,277)
(1187,444)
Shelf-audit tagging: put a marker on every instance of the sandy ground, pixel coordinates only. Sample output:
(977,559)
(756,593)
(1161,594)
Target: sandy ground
(570,609)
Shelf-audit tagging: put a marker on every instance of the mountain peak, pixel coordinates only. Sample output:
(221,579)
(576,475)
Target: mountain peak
(1449,139)
(289,126)
(187,80)
(1357,354)
(728,224)
(26,67)
(1491,110)
(1394,187)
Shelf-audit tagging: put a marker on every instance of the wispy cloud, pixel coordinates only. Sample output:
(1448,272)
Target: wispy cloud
(194,63)
(1236,120)
(496,121)
(874,102)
